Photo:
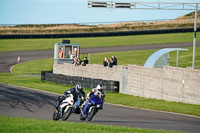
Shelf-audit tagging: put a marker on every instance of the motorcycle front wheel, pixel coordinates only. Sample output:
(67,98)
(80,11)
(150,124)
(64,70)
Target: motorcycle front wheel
(91,113)
(66,114)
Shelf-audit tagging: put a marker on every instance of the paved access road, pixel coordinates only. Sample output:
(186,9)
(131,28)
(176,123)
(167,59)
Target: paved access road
(24,102)
(7,59)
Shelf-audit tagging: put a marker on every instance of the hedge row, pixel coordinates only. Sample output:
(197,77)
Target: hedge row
(109,85)
(97,34)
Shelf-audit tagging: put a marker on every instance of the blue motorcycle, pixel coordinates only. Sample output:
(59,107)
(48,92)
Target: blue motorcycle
(94,104)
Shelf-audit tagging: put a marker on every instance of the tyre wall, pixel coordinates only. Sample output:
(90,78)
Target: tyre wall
(109,85)
(97,34)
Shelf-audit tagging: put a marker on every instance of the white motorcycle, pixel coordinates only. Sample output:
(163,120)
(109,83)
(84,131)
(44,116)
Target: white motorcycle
(65,109)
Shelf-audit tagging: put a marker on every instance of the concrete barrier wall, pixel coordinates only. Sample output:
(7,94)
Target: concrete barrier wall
(169,83)
(90,71)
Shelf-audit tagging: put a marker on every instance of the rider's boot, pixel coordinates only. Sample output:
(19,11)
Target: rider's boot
(83,105)
(57,105)
(60,99)
(60,111)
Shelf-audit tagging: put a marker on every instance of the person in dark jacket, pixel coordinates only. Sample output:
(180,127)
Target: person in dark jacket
(85,62)
(105,62)
(114,59)
(78,95)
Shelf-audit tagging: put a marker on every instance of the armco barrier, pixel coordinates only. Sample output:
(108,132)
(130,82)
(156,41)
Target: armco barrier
(109,85)
(97,34)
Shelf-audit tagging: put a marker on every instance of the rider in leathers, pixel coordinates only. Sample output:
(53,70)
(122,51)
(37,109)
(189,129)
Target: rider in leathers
(96,91)
(78,96)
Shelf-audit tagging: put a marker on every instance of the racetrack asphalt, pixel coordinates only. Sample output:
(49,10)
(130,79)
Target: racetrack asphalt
(7,59)
(29,103)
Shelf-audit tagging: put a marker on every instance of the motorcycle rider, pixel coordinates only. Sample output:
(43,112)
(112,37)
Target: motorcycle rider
(78,96)
(98,91)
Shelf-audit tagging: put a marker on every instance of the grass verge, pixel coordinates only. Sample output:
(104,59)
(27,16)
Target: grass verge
(24,125)
(41,44)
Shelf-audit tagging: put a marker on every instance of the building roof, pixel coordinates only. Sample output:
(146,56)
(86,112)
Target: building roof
(151,61)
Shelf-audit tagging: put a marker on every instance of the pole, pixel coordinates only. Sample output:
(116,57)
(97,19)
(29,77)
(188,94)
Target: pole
(195,40)
(89,58)
(177,58)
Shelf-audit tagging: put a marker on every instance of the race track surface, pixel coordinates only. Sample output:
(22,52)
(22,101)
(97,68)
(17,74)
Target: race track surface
(24,102)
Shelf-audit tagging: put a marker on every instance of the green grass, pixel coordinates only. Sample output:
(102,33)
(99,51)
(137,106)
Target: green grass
(24,125)
(41,44)
(33,67)
(153,104)
(185,58)
(32,82)
(123,58)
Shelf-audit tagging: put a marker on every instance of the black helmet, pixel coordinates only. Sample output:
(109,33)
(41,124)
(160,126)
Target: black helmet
(79,87)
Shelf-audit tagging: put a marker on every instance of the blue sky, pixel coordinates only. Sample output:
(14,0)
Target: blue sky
(76,11)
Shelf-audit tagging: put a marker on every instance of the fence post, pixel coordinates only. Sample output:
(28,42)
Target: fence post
(124,80)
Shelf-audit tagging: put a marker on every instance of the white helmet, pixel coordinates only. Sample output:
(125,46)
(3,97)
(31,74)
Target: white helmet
(99,87)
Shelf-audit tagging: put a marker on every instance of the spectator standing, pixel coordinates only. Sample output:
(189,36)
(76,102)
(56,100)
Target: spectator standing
(105,62)
(114,59)
(111,63)
(60,53)
(75,62)
(75,53)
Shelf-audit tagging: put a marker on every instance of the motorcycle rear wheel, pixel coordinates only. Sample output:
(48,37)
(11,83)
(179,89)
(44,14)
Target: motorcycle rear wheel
(55,115)
(66,114)
(82,117)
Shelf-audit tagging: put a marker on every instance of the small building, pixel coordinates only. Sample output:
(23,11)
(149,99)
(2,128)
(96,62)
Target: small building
(65,53)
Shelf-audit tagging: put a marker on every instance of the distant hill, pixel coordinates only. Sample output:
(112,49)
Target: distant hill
(186,21)
(190,15)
